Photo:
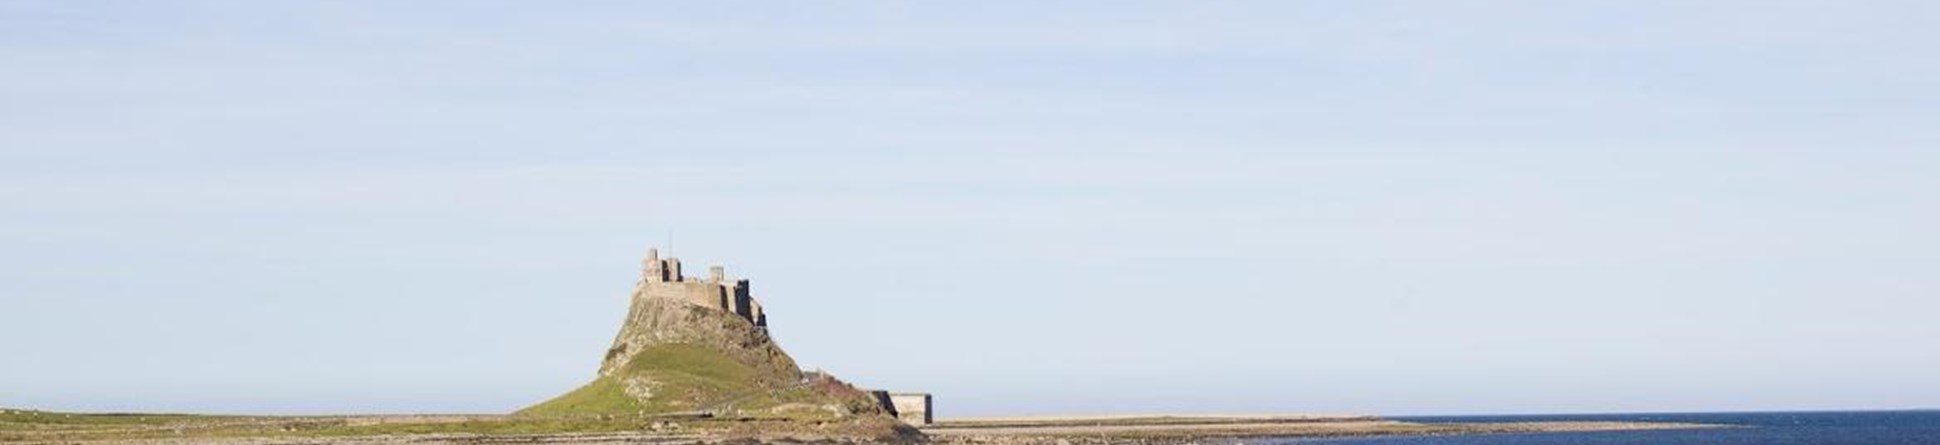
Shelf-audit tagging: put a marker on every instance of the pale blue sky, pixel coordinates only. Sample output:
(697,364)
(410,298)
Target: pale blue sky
(1367,206)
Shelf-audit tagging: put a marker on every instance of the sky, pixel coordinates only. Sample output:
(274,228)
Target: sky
(1389,207)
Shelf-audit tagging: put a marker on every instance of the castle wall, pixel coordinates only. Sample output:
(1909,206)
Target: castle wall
(660,278)
(697,292)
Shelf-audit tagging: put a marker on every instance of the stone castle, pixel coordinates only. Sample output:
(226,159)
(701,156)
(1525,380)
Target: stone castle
(661,278)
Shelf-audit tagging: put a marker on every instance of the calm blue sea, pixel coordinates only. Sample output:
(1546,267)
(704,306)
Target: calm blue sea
(1798,428)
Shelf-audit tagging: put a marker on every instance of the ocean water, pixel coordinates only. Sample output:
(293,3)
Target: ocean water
(1794,428)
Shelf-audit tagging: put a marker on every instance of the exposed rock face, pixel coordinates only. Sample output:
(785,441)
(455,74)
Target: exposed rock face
(679,354)
(658,321)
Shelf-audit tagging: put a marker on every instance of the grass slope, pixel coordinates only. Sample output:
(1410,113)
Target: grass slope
(687,378)
(681,377)
(603,395)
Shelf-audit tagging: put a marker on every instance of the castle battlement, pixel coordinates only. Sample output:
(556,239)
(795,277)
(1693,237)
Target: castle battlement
(661,278)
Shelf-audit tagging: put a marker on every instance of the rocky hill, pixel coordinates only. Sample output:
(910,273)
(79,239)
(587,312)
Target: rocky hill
(674,356)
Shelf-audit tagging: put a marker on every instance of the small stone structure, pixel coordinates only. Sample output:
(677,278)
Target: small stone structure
(661,278)
(910,407)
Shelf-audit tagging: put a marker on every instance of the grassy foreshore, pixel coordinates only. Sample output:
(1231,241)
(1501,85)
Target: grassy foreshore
(18,426)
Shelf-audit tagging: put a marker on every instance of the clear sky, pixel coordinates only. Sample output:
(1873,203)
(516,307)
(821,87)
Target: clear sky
(1078,207)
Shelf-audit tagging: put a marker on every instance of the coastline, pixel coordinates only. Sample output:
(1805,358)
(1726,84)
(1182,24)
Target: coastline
(1144,429)
(1190,428)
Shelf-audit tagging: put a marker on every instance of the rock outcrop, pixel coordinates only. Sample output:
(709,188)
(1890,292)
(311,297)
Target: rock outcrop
(680,355)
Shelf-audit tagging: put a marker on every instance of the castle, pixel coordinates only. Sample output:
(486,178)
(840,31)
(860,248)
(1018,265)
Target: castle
(661,278)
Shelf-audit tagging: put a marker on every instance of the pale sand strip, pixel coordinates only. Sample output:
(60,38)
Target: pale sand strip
(1055,418)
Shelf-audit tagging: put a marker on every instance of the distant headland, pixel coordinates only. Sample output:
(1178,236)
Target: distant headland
(701,347)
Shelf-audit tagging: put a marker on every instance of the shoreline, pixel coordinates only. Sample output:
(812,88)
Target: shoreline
(1188,428)
(1116,429)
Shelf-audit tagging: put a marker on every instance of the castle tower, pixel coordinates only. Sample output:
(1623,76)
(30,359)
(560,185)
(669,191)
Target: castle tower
(653,269)
(739,300)
(662,278)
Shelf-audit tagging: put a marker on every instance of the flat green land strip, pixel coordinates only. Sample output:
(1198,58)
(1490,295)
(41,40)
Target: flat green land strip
(22,418)
(38,426)
(17,425)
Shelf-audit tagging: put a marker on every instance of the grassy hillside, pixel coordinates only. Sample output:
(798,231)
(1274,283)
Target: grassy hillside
(664,379)
(677,358)
(686,378)
(603,395)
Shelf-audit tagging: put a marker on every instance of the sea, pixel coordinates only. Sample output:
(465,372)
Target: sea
(1781,428)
